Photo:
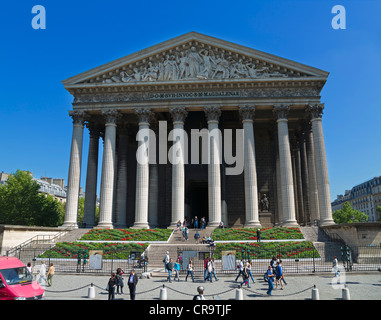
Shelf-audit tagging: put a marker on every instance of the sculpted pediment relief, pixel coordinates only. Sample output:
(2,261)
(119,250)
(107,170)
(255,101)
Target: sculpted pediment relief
(194,57)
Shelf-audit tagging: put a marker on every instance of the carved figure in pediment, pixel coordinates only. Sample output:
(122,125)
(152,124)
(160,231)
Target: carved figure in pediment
(194,61)
(151,72)
(239,70)
(208,63)
(183,66)
(222,66)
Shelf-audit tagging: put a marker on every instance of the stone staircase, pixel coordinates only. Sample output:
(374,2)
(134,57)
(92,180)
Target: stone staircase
(156,252)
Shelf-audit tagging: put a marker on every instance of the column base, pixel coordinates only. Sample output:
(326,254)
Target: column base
(213,224)
(73,225)
(252,224)
(104,225)
(290,223)
(140,225)
(326,222)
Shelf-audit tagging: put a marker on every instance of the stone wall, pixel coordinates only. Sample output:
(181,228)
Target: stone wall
(12,235)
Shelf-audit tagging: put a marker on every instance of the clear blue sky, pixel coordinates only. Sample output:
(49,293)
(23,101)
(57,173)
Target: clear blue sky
(80,35)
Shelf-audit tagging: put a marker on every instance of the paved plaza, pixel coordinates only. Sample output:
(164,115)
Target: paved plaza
(360,286)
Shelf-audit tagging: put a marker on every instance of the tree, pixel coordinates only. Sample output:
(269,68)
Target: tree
(379,212)
(349,215)
(22,204)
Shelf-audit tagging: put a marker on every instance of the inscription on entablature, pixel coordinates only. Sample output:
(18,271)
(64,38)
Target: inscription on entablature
(152,96)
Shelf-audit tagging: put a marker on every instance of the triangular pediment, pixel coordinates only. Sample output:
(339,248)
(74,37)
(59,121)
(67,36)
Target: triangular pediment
(194,57)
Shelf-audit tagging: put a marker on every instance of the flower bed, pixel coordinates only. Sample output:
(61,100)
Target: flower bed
(127,235)
(266,250)
(110,250)
(277,233)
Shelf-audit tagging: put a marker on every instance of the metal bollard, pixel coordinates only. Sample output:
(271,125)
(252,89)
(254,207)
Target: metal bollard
(163,293)
(239,293)
(91,292)
(315,293)
(345,293)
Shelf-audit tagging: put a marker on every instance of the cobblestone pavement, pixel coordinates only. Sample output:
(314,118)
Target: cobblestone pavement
(366,286)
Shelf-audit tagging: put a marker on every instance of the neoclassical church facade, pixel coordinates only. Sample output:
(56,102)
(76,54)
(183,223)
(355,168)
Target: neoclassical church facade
(184,89)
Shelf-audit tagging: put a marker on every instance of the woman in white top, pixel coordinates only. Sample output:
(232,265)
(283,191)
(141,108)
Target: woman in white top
(190,271)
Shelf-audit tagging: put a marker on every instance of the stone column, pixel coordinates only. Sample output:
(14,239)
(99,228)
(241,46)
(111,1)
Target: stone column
(214,176)
(121,185)
(325,208)
(153,191)
(91,176)
(108,170)
(142,170)
(314,199)
(177,159)
(288,200)
(74,177)
(250,169)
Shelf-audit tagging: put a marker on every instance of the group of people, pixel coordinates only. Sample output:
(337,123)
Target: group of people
(117,281)
(195,223)
(47,277)
(275,272)
(172,267)
(244,270)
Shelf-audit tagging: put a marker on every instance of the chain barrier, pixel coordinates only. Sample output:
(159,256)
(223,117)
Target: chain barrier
(280,295)
(187,294)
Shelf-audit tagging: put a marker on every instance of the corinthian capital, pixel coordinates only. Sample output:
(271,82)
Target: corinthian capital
(212,113)
(78,117)
(281,112)
(110,115)
(178,114)
(315,110)
(143,114)
(247,112)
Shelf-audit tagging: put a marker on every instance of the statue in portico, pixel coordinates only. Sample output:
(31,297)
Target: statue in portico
(194,61)
(264,203)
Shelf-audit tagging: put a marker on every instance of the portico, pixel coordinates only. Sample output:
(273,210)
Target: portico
(196,84)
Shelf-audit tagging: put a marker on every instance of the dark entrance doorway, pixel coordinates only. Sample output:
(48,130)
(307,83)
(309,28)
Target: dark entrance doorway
(198,196)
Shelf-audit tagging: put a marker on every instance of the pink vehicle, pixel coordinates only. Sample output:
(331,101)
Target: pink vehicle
(16,283)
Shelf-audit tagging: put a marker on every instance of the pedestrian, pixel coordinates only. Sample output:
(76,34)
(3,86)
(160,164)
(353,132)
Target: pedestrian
(249,271)
(200,295)
(176,267)
(206,268)
(132,282)
(170,269)
(119,280)
(111,287)
(240,268)
(178,225)
(51,274)
(213,261)
(166,260)
(186,233)
(190,270)
(335,266)
(195,222)
(210,270)
(259,235)
(245,276)
(42,272)
(273,264)
(29,268)
(279,275)
(197,237)
(270,277)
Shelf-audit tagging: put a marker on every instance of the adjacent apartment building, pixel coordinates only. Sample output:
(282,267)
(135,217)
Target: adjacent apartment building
(365,197)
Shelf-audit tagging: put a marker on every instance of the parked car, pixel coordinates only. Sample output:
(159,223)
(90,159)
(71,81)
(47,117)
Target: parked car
(16,282)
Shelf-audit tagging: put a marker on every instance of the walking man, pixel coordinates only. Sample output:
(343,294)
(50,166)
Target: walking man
(132,282)
(270,280)
(240,267)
